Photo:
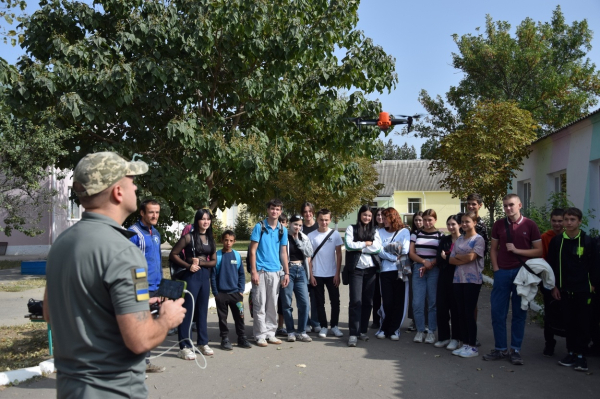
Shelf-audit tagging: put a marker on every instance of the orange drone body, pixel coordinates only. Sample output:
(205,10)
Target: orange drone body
(384,121)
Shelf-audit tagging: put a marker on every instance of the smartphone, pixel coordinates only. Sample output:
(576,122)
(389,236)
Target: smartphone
(172,289)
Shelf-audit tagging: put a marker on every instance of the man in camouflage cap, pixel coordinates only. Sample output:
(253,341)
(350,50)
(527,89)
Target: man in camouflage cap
(97,289)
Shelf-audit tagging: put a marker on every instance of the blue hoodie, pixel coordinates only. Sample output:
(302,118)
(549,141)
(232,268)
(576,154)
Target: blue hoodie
(148,240)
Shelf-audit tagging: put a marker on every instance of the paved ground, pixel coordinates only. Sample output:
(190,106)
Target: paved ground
(375,369)
(13,306)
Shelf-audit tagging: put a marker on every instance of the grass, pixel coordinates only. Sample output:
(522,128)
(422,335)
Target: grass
(9,264)
(23,346)
(23,285)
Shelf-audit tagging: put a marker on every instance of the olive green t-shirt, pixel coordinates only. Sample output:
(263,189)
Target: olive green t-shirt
(93,274)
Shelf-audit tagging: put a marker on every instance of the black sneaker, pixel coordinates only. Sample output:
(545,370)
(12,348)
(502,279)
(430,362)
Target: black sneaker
(495,354)
(548,349)
(568,361)
(375,326)
(581,364)
(243,343)
(515,358)
(281,332)
(226,345)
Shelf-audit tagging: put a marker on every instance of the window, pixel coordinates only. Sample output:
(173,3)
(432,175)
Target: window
(560,182)
(526,195)
(463,206)
(414,205)
(74,208)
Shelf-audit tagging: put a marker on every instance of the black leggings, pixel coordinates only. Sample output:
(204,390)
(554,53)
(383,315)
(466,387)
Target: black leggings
(466,298)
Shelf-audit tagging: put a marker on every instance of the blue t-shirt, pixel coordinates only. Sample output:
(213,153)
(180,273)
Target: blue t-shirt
(267,253)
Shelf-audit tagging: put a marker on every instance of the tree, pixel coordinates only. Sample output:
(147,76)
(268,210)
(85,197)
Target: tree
(216,96)
(295,186)
(483,155)
(25,152)
(242,227)
(393,151)
(429,148)
(543,68)
(11,10)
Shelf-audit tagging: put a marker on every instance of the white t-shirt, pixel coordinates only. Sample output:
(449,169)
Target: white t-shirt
(324,264)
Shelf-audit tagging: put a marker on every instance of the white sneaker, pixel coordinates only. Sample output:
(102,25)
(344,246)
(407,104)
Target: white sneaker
(291,337)
(453,345)
(418,337)
(430,339)
(352,341)
(458,351)
(336,331)
(304,337)
(363,337)
(395,337)
(380,335)
(261,342)
(323,332)
(274,340)
(205,350)
(441,344)
(186,354)
(469,352)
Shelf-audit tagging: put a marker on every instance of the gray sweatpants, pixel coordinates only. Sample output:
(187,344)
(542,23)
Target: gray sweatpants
(264,300)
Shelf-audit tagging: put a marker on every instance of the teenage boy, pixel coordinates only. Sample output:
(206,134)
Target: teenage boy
(308,226)
(515,239)
(268,255)
(556,221)
(325,268)
(147,239)
(228,282)
(573,258)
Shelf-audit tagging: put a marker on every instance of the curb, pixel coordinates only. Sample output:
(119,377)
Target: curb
(17,376)
(532,305)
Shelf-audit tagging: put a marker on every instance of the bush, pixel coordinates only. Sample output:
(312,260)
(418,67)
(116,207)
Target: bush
(218,228)
(540,214)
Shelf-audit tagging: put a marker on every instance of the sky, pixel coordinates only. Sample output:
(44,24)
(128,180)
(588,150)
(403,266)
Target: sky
(419,35)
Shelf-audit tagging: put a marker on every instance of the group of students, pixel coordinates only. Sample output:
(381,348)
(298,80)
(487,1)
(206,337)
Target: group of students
(391,270)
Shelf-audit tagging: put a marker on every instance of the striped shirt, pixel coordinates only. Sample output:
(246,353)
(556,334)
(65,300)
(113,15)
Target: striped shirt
(426,244)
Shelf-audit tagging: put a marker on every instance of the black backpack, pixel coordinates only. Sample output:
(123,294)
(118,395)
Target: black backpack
(263,229)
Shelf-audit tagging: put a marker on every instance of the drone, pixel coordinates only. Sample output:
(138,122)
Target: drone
(385,122)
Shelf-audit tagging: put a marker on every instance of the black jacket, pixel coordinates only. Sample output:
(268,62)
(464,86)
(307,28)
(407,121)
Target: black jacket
(445,244)
(574,271)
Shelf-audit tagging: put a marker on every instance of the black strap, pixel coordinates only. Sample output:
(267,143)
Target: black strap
(394,236)
(322,243)
(509,239)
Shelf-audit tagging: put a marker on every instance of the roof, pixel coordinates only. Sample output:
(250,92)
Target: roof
(410,175)
(569,124)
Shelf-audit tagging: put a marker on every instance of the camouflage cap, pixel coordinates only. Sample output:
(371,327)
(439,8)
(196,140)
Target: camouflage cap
(98,171)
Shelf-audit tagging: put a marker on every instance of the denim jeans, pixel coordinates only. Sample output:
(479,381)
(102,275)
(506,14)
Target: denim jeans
(198,284)
(501,295)
(299,287)
(425,287)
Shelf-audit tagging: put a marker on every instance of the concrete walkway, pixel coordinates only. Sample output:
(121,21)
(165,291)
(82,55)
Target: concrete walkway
(375,369)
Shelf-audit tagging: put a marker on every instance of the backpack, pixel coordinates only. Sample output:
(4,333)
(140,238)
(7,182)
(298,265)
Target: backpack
(238,258)
(263,229)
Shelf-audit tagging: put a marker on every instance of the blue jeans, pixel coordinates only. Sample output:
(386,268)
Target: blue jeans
(198,284)
(423,287)
(299,287)
(501,294)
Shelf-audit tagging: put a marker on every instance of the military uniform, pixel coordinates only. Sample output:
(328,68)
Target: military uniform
(93,274)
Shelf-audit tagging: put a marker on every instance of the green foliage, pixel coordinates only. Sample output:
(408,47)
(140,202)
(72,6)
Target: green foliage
(543,67)
(393,151)
(429,148)
(218,228)
(25,152)
(11,11)
(216,96)
(242,227)
(540,214)
(485,154)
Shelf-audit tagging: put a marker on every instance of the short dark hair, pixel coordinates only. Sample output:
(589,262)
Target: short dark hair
(574,212)
(323,211)
(557,212)
(149,201)
(228,233)
(283,218)
(275,202)
(475,197)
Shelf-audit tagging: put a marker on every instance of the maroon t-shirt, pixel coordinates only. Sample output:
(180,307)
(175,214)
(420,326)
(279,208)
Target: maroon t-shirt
(524,232)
